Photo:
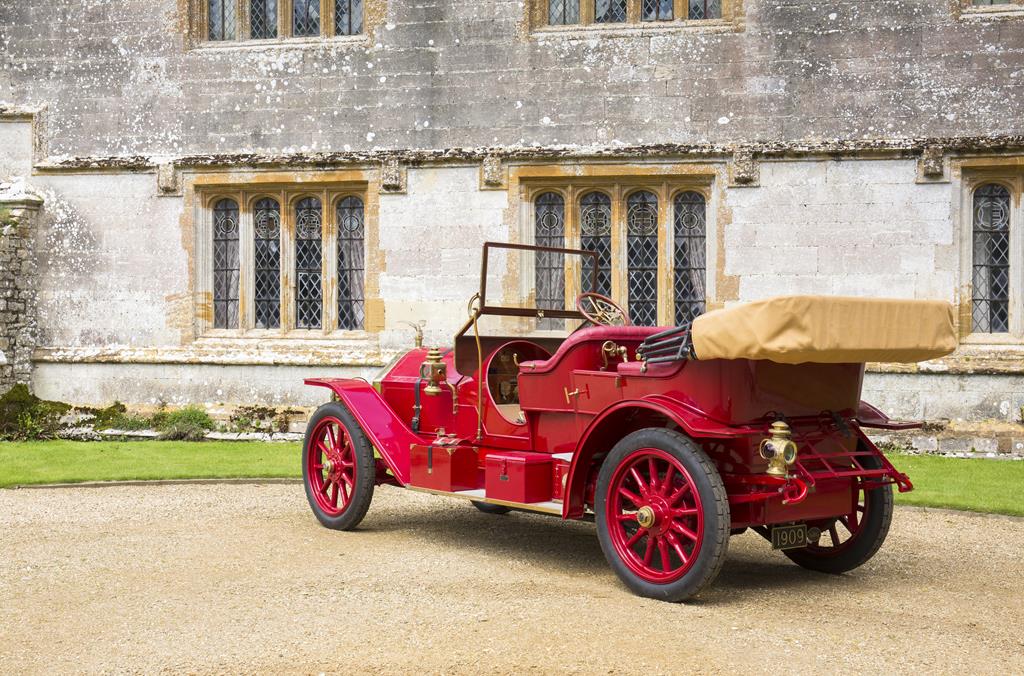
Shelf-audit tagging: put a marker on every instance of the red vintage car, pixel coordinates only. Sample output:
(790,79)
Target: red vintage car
(671,439)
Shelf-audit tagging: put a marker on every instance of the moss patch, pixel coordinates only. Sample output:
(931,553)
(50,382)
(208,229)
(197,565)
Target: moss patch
(25,416)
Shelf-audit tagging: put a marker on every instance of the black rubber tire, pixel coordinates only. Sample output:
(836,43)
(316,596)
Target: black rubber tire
(714,499)
(878,503)
(366,469)
(488,508)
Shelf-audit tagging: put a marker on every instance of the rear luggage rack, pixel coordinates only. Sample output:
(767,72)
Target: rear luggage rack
(813,467)
(671,345)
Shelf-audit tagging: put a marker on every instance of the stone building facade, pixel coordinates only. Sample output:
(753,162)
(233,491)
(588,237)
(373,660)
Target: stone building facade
(240,193)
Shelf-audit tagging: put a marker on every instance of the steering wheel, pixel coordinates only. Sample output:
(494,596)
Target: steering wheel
(601,310)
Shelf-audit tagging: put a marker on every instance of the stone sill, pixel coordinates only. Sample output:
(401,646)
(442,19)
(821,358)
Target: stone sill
(633,30)
(325,351)
(970,359)
(342,41)
(981,12)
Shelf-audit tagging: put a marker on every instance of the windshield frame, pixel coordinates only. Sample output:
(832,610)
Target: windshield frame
(540,313)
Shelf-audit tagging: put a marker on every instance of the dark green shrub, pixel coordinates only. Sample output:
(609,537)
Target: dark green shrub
(188,424)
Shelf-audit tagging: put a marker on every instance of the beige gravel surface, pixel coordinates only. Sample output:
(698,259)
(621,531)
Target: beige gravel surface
(240,578)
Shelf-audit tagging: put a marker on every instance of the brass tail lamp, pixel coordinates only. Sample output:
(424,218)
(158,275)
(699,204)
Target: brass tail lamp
(434,371)
(779,449)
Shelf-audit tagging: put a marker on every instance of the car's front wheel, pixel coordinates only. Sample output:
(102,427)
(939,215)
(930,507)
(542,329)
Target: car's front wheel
(662,514)
(338,468)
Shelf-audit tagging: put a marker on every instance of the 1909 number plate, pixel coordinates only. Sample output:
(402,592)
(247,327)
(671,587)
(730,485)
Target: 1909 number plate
(789,537)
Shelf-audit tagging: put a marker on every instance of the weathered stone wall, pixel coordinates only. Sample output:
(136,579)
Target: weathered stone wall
(119,79)
(18,334)
(848,228)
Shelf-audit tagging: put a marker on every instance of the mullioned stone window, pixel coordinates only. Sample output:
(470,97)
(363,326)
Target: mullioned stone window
(650,241)
(991,265)
(980,9)
(286,259)
(231,21)
(609,13)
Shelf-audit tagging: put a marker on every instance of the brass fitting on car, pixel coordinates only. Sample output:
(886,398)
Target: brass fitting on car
(434,372)
(779,449)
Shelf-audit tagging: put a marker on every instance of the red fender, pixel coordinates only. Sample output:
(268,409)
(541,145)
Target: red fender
(390,435)
(869,416)
(606,428)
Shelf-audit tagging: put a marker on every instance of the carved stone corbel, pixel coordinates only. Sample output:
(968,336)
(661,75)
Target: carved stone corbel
(392,176)
(744,170)
(168,180)
(493,174)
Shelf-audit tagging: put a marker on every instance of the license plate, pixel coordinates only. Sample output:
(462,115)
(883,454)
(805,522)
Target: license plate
(789,537)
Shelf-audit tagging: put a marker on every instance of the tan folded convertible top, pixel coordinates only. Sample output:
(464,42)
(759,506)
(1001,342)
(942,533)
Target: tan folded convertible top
(827,329)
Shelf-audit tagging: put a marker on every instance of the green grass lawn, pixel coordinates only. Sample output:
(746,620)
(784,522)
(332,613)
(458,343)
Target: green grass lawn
(44,462)
(976,485)
(972,484)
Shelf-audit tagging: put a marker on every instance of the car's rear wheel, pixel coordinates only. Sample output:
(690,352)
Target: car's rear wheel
(662,514)
(848,541)
(338,468)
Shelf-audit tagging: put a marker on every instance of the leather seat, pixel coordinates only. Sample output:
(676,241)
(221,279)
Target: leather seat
(590,334)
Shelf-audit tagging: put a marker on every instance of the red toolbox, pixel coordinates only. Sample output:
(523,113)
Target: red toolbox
(519,477)
(444,467)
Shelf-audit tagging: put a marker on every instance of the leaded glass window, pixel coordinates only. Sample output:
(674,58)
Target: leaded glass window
(596,236)
(267,263)
(221,19)
(991,278)
(351,266)
(263,19)
(308,264)
(563,12)
(705,9)
(348,17)
(690,267)
(305,18)
(642,257)
(549,230)
(609,11)
(656,10)
(225,264)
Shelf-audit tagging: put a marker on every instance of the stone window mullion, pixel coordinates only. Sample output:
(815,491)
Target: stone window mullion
(287,263)
(619,274)
(284,19)
(1016,308)
(247,254)
(329,275)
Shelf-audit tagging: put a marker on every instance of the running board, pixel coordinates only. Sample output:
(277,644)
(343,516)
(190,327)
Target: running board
(549,507)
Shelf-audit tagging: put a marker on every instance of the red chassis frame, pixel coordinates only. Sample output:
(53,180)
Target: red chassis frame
(726,406)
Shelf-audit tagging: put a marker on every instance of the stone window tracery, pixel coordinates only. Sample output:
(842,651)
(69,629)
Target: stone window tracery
(239,21)
(351,265)
(263,19)
(309,235)
(650,244)
(284,259)
(221,21)
(267,263)
(990,281)
(690,265)
(642,257)
(612,12)
(225,264)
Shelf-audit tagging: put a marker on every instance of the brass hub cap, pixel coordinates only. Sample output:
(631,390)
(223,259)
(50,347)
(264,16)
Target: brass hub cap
(645,517)
(328,467)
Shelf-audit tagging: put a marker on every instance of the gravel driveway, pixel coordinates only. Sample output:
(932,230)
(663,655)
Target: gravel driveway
(240,578)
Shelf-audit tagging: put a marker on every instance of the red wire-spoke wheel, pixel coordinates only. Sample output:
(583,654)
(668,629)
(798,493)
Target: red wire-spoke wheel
(849,540)
(662,514)
(337,467)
